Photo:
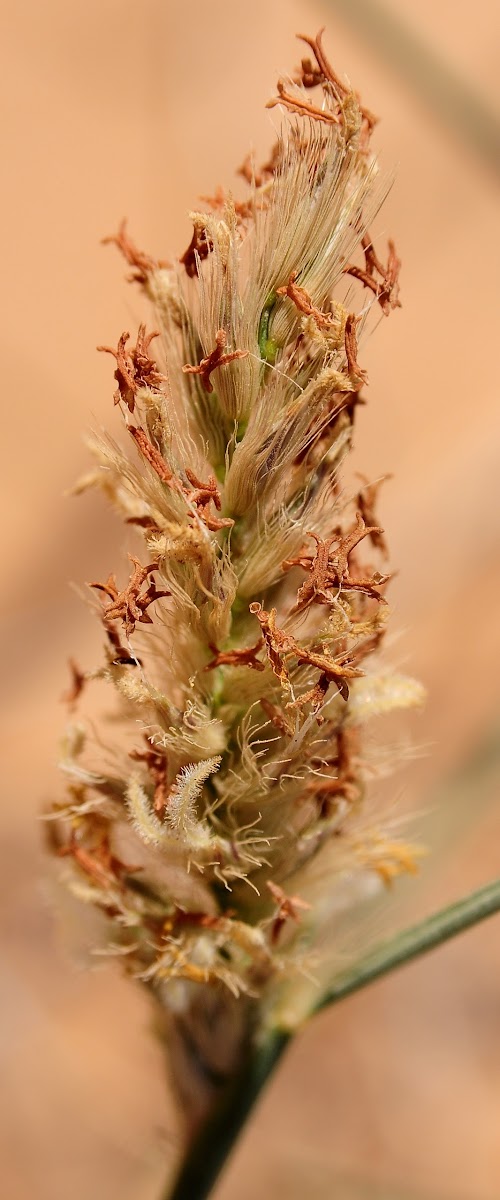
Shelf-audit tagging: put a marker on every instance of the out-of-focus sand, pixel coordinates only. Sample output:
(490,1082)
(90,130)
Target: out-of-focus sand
(118,109)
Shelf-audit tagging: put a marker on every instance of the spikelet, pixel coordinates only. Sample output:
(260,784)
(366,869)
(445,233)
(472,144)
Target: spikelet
(144,819)
(243,639)
(180,813)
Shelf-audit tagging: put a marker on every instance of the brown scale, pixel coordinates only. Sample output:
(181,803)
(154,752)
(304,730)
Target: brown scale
(302,108)
(351,349)
(277,717)
(260,175)
(199,494)
(243,209)
(119,655)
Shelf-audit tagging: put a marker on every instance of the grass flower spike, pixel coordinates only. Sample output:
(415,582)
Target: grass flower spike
(221,827)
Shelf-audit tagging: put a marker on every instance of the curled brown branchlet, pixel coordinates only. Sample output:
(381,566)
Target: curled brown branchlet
(323,72)
(202,495)
(322,75)
(386,287)
(237,658)
(328,567)
(302,300)
(279,644)
(135,368)
(218,357)
(295,104)
(130,605)
(143,265)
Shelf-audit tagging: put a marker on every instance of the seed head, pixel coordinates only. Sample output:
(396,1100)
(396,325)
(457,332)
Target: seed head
(244,650)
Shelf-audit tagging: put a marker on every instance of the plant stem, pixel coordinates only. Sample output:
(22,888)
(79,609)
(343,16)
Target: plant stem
(208,1153)
(209,1150)
(415,941)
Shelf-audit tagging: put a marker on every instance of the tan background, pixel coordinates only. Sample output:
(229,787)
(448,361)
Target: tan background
(118,108)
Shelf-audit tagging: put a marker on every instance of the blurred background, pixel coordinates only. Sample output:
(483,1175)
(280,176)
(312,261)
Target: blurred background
(116,109)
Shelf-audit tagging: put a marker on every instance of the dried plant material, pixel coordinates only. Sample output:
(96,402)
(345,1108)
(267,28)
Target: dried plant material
(259,176)
(242,757)
(143,265)
(199,247)
(345,784)
(217,358)
(386,288)
(329,570)
(131,604)
(276,640)
(73,693)
(281,720)
(366,501)
(134,368)
(289,908)
(323,73)
(237,658)
(280,644)
(118,655)
(303,302)
(202,496)
(243,209)
(98,863)
(157,765)
(304,108)
(351,349)
(154,458)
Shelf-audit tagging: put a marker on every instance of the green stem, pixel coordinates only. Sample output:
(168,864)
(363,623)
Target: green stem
(414,942)
(208,1153)
(267,347)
